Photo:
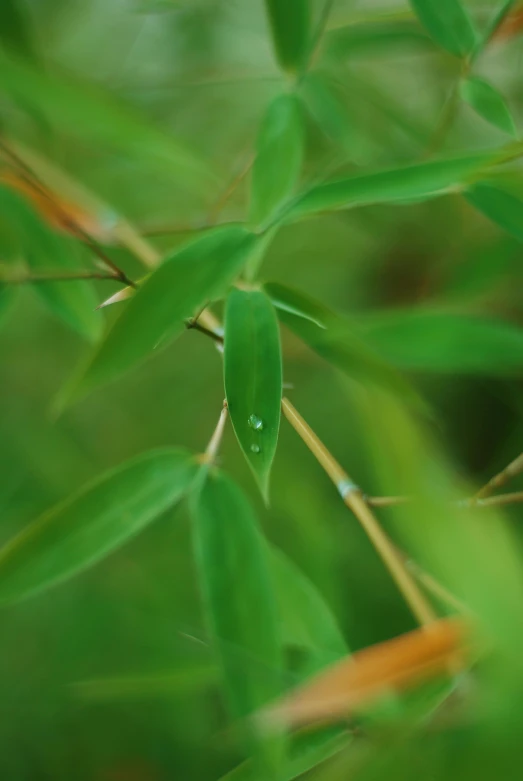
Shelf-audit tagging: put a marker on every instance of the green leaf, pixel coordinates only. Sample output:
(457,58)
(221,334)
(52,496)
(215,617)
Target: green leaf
(335,339)
(279,154)
(290,25)
(330,112)
(85,528)
(503,208)
(253,378)
(413,182)
(15,32)
(488,103)
(74,302)
(448,23)
(146,687)
(88,114)
(234,573)
(306,619)
(177,289)
(376,39)
(7,296)
(307,750)
(432,341)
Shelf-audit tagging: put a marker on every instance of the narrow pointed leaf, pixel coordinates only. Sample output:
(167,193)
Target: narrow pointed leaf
(182,284)
(89,114)
(85,528)
(307,620)
(253,377)
(74,302)
(290,25)
(502,207)
(424,340)
(279,154)
(234,573)
(335,339)
(448,23)
(188,678)
(411,183)
(488,103)
(306,751)
(15,32)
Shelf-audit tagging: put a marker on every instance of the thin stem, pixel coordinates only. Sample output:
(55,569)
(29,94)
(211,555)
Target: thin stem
(229,191)
(514,468)
(209,457)
(478,501)
(448,113)
(434,587)
(353,498)
(195,325)
(59,276)
(30,177)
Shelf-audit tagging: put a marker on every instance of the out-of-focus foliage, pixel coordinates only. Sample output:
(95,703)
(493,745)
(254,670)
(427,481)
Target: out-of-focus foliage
(364,159)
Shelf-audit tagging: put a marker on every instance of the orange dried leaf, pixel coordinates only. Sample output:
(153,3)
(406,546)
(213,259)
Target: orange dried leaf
(57,213)
(359,680)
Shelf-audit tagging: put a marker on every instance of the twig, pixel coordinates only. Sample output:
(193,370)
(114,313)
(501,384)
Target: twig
(195,325)
(434,587)
(479,500)
(29,176)
(448,114)
(354,499)
(217,207)
(30,278)
(209,457)
(514,468)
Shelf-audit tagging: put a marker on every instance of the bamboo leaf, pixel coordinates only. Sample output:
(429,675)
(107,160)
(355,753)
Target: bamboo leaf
(253,378)
(414,182)
(306,618)
(424,340)
(87,114)
(279,154)
(15,31)
(448,23)
(307,750)
(335,339)
(89,525)
(290,25)
(74,302)
(503,208)
(182,284)
(488,103)
(146,687)
(233,570)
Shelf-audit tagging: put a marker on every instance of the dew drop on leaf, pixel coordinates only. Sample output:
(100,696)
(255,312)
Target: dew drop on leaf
(255,422)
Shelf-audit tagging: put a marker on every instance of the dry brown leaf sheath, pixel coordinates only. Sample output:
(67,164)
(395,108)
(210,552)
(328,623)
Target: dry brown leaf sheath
(359,680)
(57,213)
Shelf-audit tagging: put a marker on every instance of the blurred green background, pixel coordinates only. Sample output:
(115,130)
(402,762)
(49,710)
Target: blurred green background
(110,676)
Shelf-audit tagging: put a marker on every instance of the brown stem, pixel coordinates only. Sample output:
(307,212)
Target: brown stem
(514,468)
(30,279)
(354,499)
(29,176)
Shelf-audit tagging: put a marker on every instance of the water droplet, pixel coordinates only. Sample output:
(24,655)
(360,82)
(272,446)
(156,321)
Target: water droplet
(255,448)
(255,422)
